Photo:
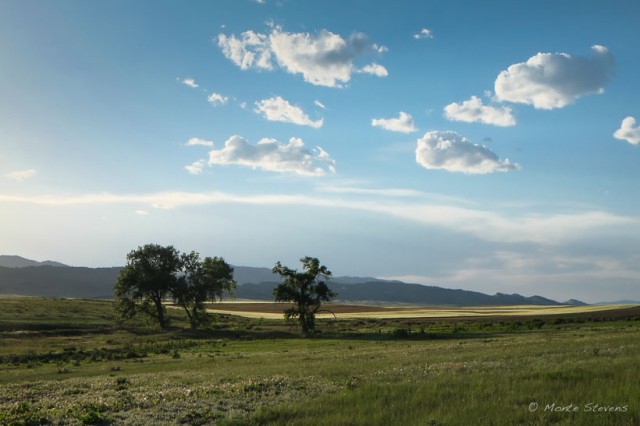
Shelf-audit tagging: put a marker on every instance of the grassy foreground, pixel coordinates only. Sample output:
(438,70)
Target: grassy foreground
(63,362)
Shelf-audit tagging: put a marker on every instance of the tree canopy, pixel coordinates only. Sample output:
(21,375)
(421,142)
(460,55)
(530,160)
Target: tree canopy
(154,273)
(206,280)
(305,290)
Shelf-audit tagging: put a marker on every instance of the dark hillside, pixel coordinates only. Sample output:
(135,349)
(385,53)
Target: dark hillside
(54,281)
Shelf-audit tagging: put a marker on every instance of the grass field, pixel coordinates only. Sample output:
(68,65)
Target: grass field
(64,362)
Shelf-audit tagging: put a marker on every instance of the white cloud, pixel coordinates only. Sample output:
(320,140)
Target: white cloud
(473,110)
(270,155)
(190,82)
(278,109)
(141,212)
(403,124)
(198,142)
(383,192)
(163,205)
(424,33)
(251,50)
(319,104)
(555,80)
(323,59)
(374,69)
(627,132)
(21,175)
(216,99)
(348,187)
(540,228)
(195,168)
(454,153)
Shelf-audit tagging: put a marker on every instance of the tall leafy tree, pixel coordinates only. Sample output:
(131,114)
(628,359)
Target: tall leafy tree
(306,291)
(146,280)
(201,282)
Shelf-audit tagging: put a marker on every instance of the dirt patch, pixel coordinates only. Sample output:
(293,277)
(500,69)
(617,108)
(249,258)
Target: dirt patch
(278,308)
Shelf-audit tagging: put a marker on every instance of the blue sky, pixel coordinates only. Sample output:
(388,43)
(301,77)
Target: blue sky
(489,146)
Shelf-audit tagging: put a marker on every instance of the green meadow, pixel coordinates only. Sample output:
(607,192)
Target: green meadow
(66,361)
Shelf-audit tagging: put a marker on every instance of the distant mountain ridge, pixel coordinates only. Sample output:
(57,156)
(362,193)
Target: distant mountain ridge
(400,292)
(21,262)
(57,281)
(54,279)
(251,275)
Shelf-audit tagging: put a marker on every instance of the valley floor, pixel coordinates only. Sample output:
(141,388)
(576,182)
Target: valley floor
(63,362)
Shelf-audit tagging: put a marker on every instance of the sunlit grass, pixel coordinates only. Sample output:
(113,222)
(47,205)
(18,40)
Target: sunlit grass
(362,371)
(265,310)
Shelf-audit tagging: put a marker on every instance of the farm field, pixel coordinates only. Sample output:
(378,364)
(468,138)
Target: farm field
(260,309)
(64,361)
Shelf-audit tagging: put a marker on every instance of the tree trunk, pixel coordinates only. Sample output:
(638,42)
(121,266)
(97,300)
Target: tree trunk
(160,312)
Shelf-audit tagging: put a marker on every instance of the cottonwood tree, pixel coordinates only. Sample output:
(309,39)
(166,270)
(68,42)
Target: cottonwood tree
(202,281)
(146,280)
(305,290)
(154,273)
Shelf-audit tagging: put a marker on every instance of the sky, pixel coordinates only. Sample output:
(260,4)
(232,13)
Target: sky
(490,146)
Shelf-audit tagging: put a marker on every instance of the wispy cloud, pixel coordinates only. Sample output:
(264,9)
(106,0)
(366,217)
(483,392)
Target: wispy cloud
(217,99)
(196,167)
(279,109)
(198,142)
(319,104)
(385,192)
(190,82)
(250,50)
(323,59)
(532,227)
(423,34)
(627,132)
(555,80)
(21,175)
(454,153)
(474,111)
(402,124)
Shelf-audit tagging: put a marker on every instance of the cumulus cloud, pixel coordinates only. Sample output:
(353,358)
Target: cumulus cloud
(278,109)
(627,132)
(455,153)
(190,82)
(424,33)
(323,59)
(402,124)
(555,80)
(473,110)
(195,168)
(251,50)
(216,99)
(20,175)
(269,154)
(198,142)
(374,69)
